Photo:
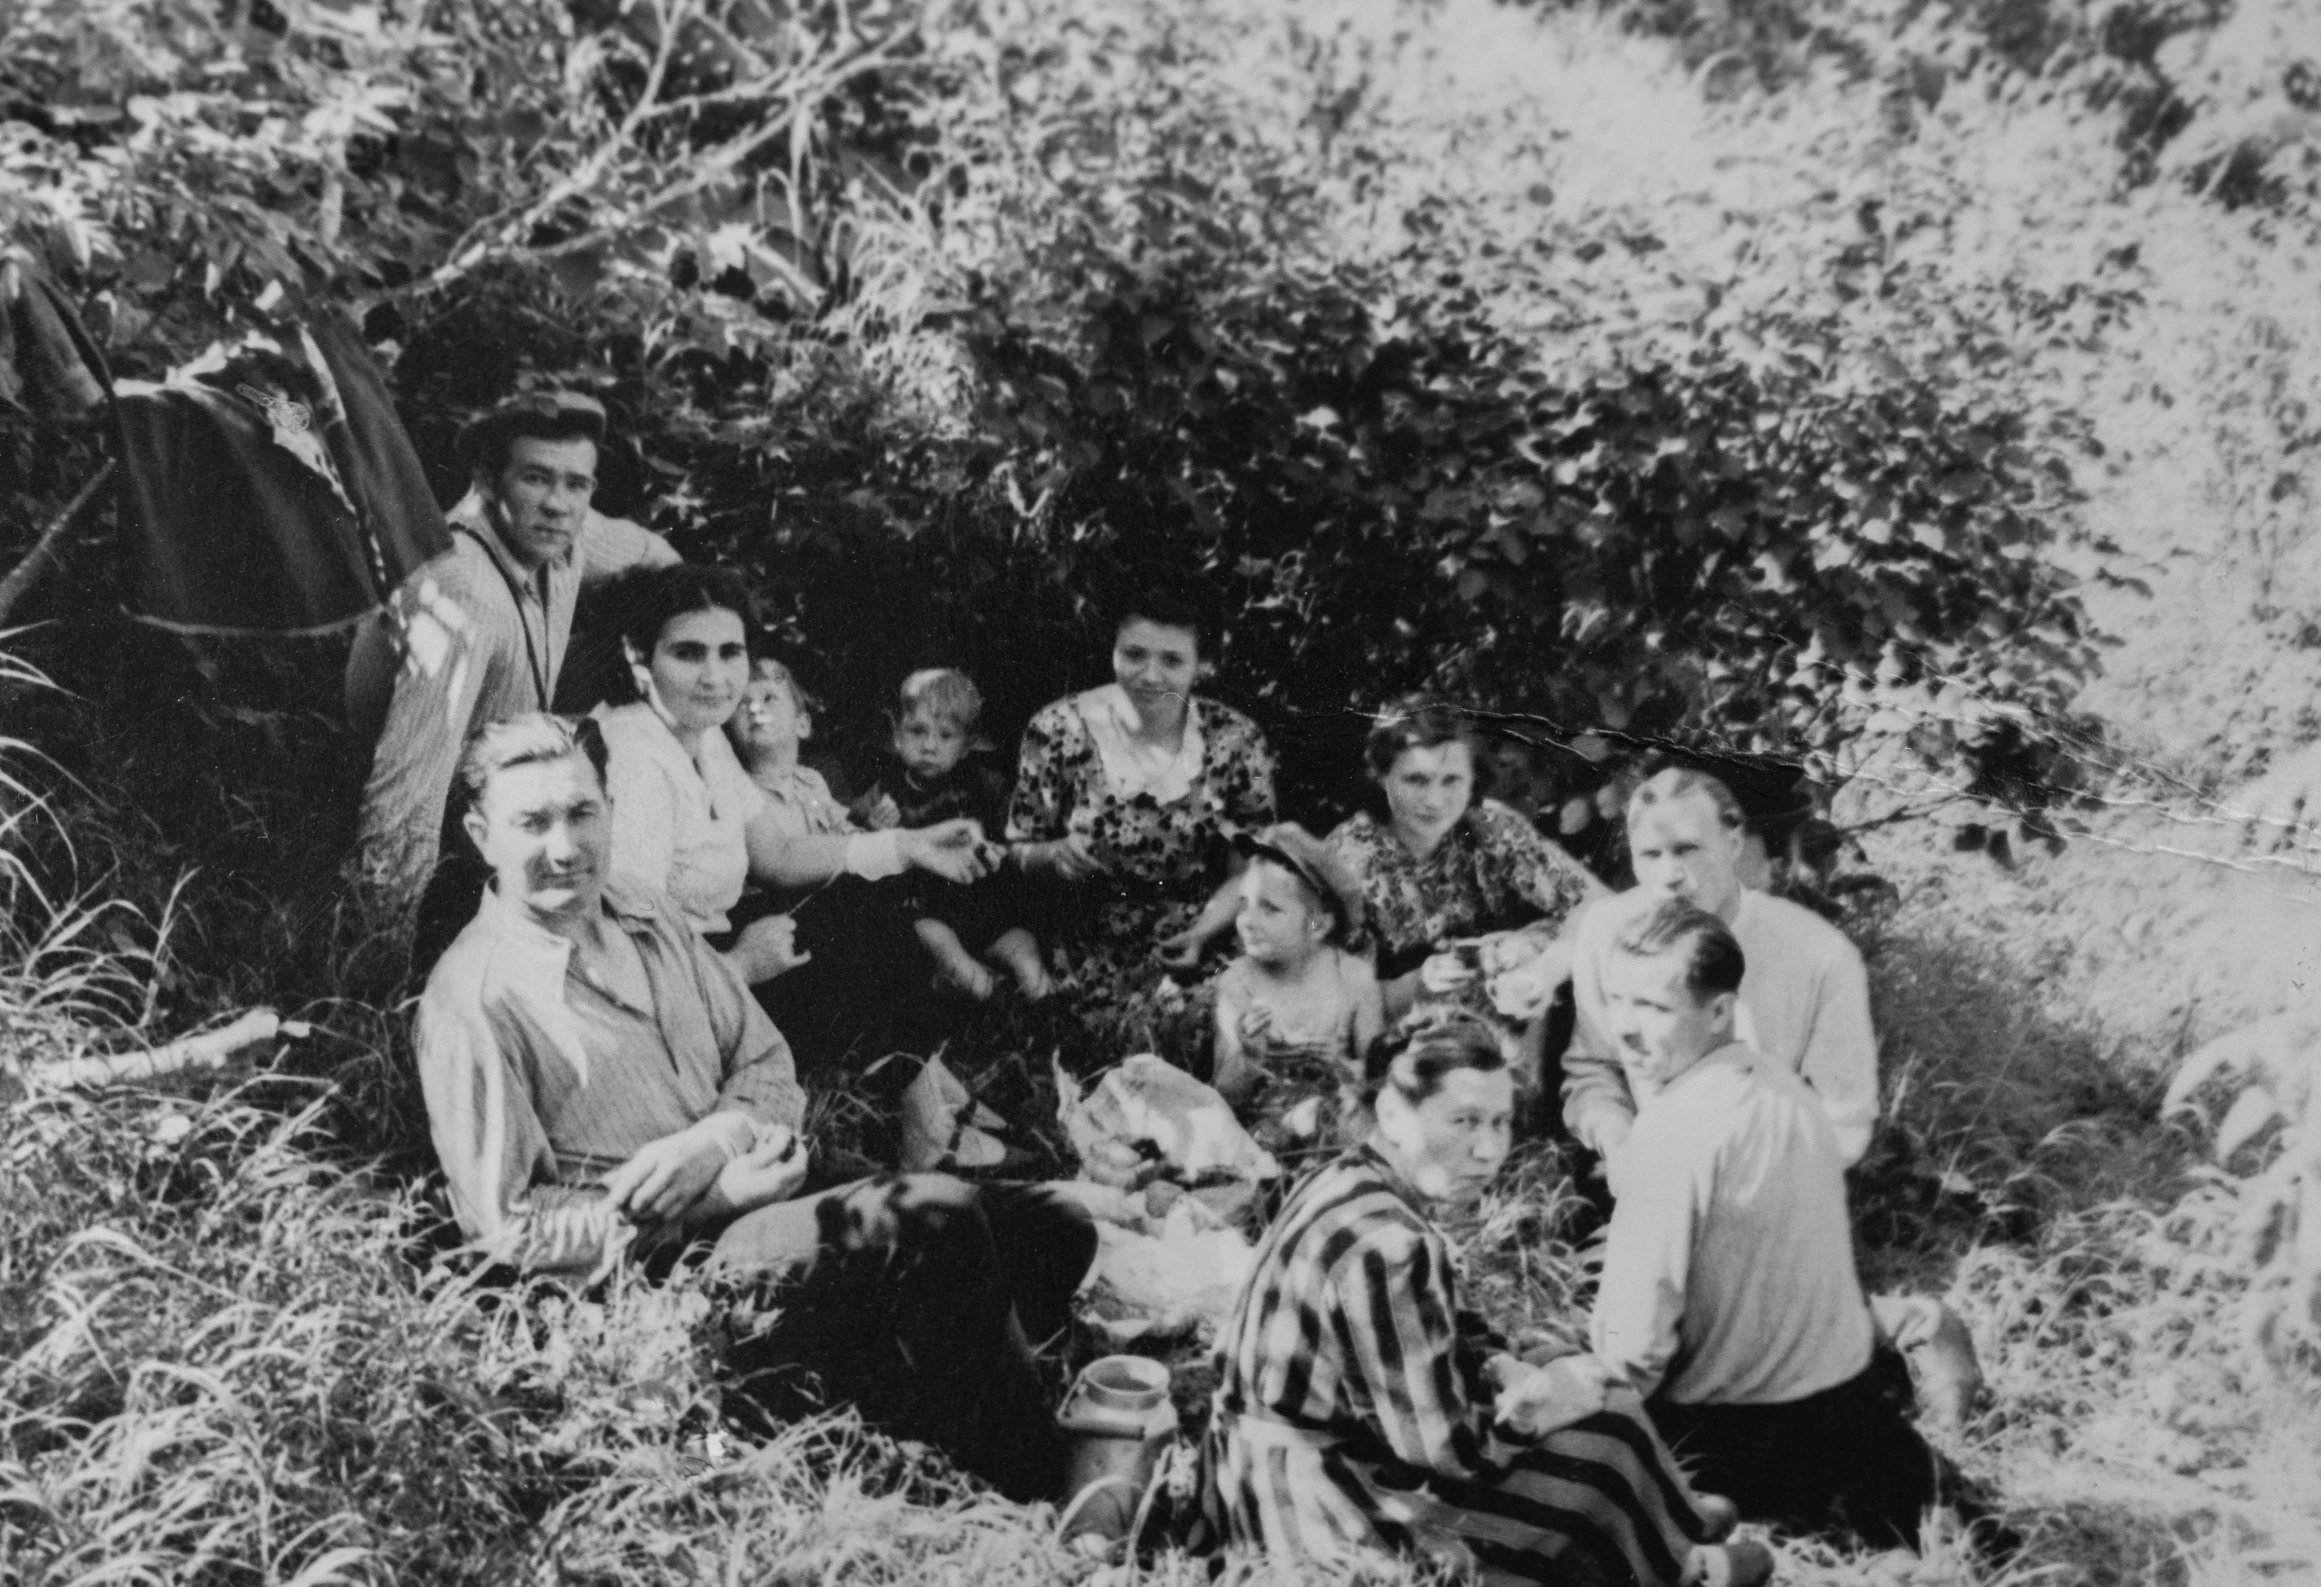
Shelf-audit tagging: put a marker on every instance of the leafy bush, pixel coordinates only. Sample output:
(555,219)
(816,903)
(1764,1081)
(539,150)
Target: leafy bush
(883,336)
(2271,1233)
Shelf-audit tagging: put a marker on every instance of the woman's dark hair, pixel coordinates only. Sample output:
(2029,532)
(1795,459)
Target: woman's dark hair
(1421,721)
(1425,1046)
(645,602)
(1170,602)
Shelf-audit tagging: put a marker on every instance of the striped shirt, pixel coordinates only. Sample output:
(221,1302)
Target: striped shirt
(1351,1421)
(539,1080)
(482,639)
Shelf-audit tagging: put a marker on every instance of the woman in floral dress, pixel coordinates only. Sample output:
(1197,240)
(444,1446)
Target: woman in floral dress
(1129,797)
(1446,867)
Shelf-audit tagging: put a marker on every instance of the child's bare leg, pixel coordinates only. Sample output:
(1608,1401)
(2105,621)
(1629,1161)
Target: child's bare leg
(954,965)
(1019,951)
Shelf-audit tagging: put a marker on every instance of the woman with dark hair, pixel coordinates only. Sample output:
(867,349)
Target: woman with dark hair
(1446,865)
(1362,1411)
(686,818)
(1129,795)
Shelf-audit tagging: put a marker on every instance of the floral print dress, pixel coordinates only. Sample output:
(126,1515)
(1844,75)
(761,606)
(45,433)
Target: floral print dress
(1493,872)
(1162,859)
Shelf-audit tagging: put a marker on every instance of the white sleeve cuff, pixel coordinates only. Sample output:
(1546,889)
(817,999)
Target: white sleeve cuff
(874,856)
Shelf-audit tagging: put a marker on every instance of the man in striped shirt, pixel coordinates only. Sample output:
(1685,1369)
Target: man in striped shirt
(602,1087)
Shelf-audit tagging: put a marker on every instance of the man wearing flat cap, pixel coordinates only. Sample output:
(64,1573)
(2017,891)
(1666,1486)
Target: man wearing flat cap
(478,633)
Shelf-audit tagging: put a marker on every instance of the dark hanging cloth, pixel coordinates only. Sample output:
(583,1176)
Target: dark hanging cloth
(270,488)
(50,367)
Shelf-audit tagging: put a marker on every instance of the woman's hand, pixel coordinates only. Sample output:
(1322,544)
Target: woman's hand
(1445,974)
(767,948)
(1071,859)
(953,850)
(1535,1401)
(1521,991)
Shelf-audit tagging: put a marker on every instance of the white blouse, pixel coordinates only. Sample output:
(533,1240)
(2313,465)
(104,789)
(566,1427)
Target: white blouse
(678,828)
(1130,767)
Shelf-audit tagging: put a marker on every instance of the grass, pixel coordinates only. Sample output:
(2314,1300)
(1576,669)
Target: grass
(233,1355)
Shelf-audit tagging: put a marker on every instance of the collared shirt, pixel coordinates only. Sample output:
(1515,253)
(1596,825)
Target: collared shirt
(677,827)
(539,1080)
(800,803)
(1491,872)
(1729,1265)
(1805,1002)
(1132,768)
(482,639)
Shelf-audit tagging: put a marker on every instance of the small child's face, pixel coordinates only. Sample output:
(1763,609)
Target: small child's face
(1510,763)
(769,719)
(1280,922)
(929,746)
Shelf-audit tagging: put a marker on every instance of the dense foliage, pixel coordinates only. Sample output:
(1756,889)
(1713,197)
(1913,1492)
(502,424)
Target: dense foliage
(935,314)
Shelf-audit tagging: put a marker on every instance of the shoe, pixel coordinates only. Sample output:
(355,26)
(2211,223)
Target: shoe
(1742,1564)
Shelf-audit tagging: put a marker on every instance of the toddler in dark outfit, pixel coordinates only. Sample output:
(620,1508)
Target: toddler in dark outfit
(929,775)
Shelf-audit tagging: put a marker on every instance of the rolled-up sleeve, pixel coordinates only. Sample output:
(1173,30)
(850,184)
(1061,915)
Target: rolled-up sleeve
(493,1148)
(759,1078)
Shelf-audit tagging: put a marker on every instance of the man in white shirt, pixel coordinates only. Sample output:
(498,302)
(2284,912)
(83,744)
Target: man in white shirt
(1729,1295)
(479,632)
(1805,1003)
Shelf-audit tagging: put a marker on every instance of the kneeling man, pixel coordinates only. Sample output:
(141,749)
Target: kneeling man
(602,1087)
(1729,1295)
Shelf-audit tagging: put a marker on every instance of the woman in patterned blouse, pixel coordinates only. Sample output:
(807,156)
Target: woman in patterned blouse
(1361,1411)
(1130,796)
(1446,865)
